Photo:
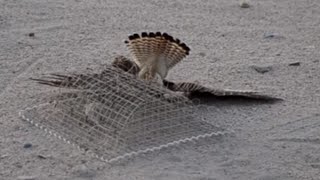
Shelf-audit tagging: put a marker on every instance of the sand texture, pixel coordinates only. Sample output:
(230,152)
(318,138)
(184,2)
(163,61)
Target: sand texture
(271,46)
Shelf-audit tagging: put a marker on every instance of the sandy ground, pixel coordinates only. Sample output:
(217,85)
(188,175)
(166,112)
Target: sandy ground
(270,141)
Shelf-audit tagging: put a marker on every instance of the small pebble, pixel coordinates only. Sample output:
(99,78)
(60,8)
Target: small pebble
(262,69)
(42,157)
(272,36)
(31,34)
(317,166)
(295,64)
(202,54)
(27,145)
(19,166)
(244,4)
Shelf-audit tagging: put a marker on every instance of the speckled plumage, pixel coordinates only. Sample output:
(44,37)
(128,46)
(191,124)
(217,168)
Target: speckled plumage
(154,54)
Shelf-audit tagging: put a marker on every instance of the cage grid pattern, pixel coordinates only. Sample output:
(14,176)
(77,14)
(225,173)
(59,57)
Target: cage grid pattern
(113,115)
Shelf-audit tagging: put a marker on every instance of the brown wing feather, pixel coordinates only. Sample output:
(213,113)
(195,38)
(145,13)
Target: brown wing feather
(86,81)
(197,89)
(76,81)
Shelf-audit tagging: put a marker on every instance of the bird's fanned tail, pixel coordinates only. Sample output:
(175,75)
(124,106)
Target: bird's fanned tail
(156,45)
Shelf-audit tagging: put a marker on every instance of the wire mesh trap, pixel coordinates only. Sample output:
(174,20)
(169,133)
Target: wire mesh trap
(113,115)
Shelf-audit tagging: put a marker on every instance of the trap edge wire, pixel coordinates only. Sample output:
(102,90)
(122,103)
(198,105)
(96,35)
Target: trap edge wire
(113,115)
(52,133)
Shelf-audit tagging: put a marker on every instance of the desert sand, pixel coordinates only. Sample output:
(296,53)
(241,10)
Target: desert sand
(272,46)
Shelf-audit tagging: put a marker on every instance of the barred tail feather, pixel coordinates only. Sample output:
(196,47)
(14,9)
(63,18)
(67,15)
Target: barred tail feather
(156,45)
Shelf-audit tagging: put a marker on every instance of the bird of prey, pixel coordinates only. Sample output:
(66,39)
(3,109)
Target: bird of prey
(153,55)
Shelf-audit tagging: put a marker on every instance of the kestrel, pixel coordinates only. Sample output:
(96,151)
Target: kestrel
(153,55)
(192,89)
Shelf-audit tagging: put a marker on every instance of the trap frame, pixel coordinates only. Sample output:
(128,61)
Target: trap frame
(113,115)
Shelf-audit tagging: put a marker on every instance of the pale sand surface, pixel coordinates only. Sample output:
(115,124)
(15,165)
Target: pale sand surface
(270,141)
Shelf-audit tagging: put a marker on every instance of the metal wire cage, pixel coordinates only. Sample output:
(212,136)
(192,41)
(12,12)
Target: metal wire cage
(114,115)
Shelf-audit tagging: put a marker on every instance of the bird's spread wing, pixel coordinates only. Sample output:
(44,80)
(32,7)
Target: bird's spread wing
(75,81)
(111,81)
(120,64)
(110,74)
(197,89)
(149,46)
